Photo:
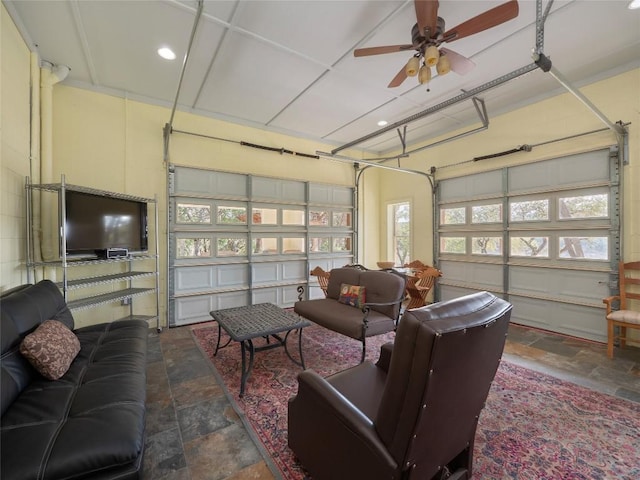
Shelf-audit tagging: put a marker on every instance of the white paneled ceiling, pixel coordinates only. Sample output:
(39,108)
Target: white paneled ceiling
(288,66)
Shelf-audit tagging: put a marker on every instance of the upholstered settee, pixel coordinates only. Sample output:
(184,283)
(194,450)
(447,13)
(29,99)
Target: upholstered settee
(90,422)
(383,292)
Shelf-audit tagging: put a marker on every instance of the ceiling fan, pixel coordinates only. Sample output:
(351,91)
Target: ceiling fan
(429,33)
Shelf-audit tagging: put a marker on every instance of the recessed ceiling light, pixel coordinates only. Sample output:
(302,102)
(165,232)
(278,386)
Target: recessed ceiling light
(633,4)
(167,53)
(382,123)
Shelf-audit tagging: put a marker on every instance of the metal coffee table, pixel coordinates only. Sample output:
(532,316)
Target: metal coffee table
(266,320)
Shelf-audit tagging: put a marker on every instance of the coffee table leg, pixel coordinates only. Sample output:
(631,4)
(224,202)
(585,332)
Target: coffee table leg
(286,349)
(246,369)
(218,344)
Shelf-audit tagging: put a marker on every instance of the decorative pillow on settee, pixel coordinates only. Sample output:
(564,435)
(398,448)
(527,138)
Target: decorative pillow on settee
(353,295)
(50,348)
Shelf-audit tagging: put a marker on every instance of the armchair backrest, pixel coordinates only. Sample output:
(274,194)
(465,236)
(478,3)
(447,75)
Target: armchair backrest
(380,287)
(444,359)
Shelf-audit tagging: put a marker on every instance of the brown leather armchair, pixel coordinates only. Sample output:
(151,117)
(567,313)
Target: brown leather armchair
(412,415)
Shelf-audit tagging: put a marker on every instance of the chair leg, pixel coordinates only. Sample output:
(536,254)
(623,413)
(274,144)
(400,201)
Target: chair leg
(623,336)
(610,338)
(364,349)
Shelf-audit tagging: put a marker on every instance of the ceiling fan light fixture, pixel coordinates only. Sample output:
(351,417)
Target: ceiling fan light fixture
(424,76)
(444,66)
(431,56)
(413,65)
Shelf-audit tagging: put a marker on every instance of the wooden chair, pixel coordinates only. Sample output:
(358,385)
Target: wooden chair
(415,265)
(627,316)
(323,278)
(419,286)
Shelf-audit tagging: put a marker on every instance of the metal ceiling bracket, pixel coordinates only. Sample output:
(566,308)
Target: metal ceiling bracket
(166,131)
(447,103)
(545,65)
(403,139)
(617,128)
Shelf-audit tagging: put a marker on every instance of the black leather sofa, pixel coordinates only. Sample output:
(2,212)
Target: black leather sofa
(89,423)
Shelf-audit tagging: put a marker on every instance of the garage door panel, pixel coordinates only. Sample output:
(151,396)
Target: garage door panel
(574,320)
(189,310)
(228,213)
(285,295)
(584,168)
(485,184)
(480,275)
(575,285)
(568,228)
(204,182)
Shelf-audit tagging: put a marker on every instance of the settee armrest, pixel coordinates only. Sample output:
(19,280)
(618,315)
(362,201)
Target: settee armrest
(384,360)
(320,415)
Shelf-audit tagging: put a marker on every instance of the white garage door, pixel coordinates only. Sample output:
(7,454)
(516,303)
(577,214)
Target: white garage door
(237,239)
(543,235)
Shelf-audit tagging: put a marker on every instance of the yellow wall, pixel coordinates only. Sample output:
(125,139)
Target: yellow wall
(618,98)
(15,67)
(115,144)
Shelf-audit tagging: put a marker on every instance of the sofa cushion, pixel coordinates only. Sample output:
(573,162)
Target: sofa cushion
(50,348)
(339,276)
(22,309)
(352,295)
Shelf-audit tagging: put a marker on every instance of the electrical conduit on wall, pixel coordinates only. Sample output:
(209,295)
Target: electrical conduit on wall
(49,76)
(34,154)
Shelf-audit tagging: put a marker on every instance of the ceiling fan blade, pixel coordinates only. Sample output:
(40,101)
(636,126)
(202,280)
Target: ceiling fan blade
(398,79)
(459,63)
(484,21)
(427,16)
(363,52)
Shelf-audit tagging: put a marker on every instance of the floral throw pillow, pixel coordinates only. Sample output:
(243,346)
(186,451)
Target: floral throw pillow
(50,348)
(353,295)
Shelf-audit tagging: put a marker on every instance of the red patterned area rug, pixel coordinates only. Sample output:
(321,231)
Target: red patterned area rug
(534,426)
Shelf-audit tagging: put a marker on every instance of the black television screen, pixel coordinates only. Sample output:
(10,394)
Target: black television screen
(95,223)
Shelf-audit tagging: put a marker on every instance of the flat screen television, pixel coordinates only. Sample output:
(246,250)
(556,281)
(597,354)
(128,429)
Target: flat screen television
(96,223)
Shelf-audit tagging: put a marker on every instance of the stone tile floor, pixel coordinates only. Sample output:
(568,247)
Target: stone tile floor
(194,433)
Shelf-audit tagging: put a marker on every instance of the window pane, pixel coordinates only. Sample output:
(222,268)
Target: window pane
(293,217)
(401,240)
(228,247)
(193,247)
(530,246)
(529,211)
(486,245)
(592,248)
(293,245)
(193,213)
(486,213)
(232,215)
(342,244)
(319,244)
(319,218)
(341,219)
(585,206)
(453,245)
(265,216)
(264,246)
(452,216)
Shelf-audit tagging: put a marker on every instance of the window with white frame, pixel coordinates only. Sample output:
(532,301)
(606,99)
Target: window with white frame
(399,232)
